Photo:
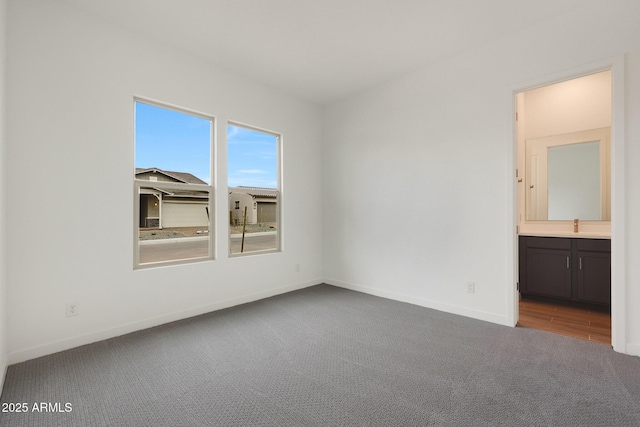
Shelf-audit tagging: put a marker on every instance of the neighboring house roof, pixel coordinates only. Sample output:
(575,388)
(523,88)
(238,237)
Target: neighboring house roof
(185,177)
(183,193)
(258,192)
(182,177)
(188,178)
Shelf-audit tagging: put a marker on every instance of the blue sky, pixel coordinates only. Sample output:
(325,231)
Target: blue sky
(253,158)
(181,142)
(172,141)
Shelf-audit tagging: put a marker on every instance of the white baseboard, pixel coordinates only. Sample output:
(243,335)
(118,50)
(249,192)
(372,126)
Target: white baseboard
(633,349)
(423,302)
(66,344)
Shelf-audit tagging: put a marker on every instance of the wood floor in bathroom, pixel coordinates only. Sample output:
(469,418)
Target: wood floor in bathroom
(577,322)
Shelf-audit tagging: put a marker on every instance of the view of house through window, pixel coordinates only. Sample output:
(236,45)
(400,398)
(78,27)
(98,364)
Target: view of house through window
(254,195)
(172,181)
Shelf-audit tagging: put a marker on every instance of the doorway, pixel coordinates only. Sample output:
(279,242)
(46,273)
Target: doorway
(615,69)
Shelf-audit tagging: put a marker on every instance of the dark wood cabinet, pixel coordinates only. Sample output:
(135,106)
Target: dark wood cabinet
(564,268)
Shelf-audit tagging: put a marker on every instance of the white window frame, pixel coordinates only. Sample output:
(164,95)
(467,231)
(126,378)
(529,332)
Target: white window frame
(162,185)
(277,192)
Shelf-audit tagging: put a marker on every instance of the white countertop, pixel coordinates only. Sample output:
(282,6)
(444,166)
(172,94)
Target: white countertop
(583,235)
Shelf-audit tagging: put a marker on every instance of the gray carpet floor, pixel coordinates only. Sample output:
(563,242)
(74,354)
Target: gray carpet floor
(325,356)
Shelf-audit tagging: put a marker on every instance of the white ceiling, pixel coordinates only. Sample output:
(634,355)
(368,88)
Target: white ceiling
(325,50)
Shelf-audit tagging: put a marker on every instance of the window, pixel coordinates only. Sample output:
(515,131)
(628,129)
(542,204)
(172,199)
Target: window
(172,185)
(254,190)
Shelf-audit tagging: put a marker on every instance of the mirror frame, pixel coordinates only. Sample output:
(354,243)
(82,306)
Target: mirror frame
(536,184)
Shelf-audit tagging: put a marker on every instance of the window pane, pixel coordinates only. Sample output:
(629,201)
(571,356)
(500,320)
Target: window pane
(173,141)
(184,216)
(172,175)
(253,158)
(253,216)
(253,190)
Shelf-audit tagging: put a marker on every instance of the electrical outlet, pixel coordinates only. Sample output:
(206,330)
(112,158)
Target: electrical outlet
(73,309)
(297,268)
(471,287)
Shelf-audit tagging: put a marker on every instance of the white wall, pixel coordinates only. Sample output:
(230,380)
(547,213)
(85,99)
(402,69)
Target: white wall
(3,283)
(444,134)
(71,82)
(571,106)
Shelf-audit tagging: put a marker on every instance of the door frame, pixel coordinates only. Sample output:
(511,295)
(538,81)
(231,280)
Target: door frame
(618,203)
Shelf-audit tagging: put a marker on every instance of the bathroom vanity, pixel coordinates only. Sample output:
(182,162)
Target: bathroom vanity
(571,269)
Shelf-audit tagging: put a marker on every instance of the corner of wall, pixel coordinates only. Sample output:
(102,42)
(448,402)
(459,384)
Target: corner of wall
(3,283)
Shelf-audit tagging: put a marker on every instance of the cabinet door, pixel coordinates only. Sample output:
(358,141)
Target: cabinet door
(549,272)
(594,277)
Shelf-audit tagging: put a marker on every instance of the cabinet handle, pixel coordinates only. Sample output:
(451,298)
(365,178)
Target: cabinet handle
(568,265)
(580,263)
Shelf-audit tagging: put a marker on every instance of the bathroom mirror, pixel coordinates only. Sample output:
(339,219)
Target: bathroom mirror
(568,176)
